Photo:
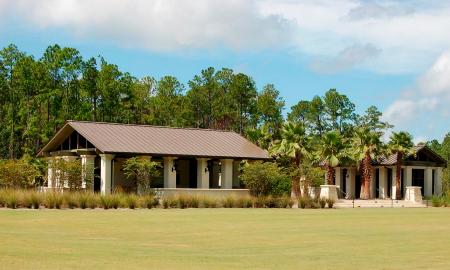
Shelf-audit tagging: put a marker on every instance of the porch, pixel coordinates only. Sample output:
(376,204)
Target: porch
(383,181)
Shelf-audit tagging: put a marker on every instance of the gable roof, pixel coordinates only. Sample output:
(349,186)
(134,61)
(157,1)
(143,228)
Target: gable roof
(392,159)
(156,140)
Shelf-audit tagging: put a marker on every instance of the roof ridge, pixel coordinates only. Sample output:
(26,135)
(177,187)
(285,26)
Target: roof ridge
(147,125)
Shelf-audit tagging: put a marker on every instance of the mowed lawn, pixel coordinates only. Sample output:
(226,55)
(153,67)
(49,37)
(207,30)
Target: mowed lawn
(225,239)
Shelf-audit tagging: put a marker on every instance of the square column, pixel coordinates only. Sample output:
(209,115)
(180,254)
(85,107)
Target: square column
(408,182)
(383,182)
(236,173)
(50,173)
(87,167)
(428,182)
(227,173)
(438,182)
(202,173)
(105,173)
(394,181)
(350,183)
(338,177)
(170,173)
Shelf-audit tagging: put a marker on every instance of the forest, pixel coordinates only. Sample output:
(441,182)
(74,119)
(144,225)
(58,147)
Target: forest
(37,95)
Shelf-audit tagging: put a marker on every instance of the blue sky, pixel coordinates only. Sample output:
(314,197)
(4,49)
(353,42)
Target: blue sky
(391,54)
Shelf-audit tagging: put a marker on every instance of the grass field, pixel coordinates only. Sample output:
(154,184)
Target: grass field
(225,239)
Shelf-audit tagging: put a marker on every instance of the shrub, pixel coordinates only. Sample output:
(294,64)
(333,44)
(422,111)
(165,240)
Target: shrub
(71,200)
(436,201)
(208,202)
(131,201)
(228,202)
(265,178)
(330,203)
(193,202)
(304,202)
(284,202)
(141,170)
(54,200)
(149,201)
(271,202)
(322,202)
(243,202)
(259,202)
(12,199)
(17,174)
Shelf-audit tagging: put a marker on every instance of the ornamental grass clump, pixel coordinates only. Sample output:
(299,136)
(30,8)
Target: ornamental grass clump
(228,202)
(322,202)
(12,199)
(208,202)
(284,202)
(54,200)
(330,203)
(71,200)
(259,202)
(243,202)
(131,201)
(149,201)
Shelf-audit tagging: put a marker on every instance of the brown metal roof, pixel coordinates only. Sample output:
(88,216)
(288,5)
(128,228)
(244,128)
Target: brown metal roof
(155,140)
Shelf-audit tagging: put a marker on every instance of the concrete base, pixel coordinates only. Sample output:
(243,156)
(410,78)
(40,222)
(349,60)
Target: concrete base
(413,194)
(328,192)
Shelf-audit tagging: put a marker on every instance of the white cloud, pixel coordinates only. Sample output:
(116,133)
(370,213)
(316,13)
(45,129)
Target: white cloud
(425,107)
(406,35)
(160,25)
(349,57)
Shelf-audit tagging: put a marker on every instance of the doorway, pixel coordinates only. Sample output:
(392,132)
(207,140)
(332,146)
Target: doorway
(418,178)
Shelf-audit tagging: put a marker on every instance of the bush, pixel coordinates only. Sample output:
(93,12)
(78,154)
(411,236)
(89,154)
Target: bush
(131,201)
(208,202)
(243,202)
(17,174)
(322,202)
(330,203)
(228,202)
(265,179)
(54,200)
(12,199)
(304,202)
(149,201)
(71,200)
(436,201)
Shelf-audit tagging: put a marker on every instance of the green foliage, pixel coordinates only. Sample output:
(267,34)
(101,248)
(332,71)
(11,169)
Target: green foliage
(69,174)
(17,174)
(264,178)
(141,170)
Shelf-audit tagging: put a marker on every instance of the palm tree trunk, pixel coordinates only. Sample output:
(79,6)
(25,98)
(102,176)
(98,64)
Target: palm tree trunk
(330,175)
(367,175)
(296,179)
(398,192)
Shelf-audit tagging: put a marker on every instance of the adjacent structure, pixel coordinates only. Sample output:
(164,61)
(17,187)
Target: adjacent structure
(194,160)
(421,174)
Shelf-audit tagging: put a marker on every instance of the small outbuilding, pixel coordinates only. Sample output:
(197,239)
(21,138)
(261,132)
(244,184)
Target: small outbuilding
(193,160)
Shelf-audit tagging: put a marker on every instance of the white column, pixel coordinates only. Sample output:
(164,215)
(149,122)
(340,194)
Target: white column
(428,185)
(87,166)
(338,176)
(408,182)
(227,173)
(351,176)
(105,173)
(394,181)
(49,173)
(438,181)
(170,174)
(202,173)
(383,182)
(373,186)
(236,173)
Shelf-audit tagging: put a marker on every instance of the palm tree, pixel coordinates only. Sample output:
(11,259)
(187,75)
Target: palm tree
(332,150)
(400,144)
(366,147)
(260,136)
(294,144)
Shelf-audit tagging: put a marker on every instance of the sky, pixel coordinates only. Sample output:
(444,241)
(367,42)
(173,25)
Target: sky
(391,54)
